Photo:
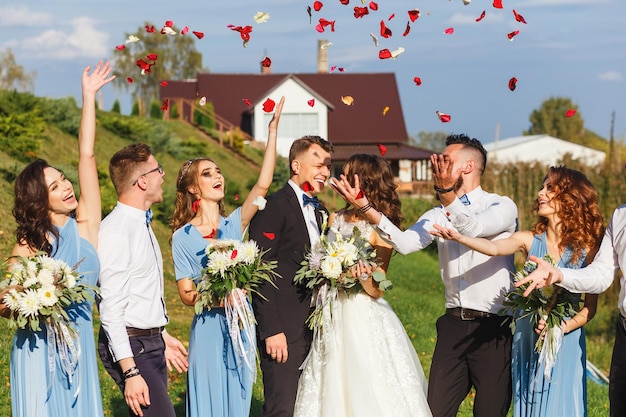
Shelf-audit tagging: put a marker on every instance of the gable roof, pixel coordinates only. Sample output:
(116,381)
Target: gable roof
(361,123)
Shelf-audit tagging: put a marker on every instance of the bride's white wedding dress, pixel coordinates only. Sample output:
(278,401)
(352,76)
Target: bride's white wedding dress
(362,363)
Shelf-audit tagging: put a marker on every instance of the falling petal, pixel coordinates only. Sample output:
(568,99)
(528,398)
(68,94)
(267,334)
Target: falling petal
(512,83)
(408,29)
(449,31)
(481,17)
(199,35)
(385,32)
(307,187)
(466,2)
(184,30)
(202,101)
(360,12)
(519,17)
(165,105)
(120,47)
(375,39)
(247,102)
(311,102)
(266,63)
(169,23)
(210,235)
(317,6)
(385,110)
(497,4)
(268,105)
(382,149)
(414,15)
(269,235)
(308,10)
(513,34)
(163,83)
(373,5)
(394,54)
(445,118)
(132,39)
(151,57)
(391,16)
(150,29)
(261,17)
(236,197)
(347,100)
(344,2)
(129,80)
(417,81)
(323,23)
(333,68)
(167,31)
(360,194)
(341,69)
(384,54)
(326,44)
(570,113)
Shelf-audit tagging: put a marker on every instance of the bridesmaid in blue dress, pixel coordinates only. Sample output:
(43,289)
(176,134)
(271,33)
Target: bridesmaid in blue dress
(569,229)
(219,381)
(52,220)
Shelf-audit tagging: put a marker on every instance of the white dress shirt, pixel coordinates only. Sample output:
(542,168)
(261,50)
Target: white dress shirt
(472,280)
(599,274)
(309,215)
(131,277)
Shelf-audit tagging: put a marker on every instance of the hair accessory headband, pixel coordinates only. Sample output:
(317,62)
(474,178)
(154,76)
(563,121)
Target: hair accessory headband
(184,170)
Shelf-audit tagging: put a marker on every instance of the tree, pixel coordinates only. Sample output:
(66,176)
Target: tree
(135,109)
(433,141)
(116,107)
(12,75)
(551,119)
(173,57)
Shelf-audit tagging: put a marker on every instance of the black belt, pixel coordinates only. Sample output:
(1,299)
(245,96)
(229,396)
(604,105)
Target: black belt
(135,332)
(467,313)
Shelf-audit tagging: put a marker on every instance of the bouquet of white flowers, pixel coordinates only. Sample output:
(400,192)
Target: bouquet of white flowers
(327,269)
(234,269)
(551,304)
(37,290)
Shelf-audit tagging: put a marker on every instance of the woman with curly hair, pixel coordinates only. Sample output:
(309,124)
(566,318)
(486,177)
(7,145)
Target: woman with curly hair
(51,219)
(219,381)
(364,363)
(569,229)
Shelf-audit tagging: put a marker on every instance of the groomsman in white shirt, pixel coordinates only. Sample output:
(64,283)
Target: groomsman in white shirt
(595,278)
(134,346)
(473,343)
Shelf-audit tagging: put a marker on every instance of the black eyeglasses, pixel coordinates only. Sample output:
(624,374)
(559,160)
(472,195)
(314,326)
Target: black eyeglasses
(158,169)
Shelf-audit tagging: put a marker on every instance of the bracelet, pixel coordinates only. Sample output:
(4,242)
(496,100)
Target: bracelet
(133,374)
(443,190)
(129,370)
(361,210)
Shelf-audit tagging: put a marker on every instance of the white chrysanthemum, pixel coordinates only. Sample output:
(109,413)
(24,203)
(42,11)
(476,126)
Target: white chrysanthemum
(70,280)
(248,251)
(17,274)
(47,295)
(30,282)
(346,252)
(49,263)
(218,262)
(45,277)
(31,268)
(331,267)
(547,292)
(222,245)
(29,303)
(11,300)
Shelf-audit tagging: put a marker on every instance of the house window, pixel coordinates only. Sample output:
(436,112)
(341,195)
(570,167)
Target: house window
(296,125)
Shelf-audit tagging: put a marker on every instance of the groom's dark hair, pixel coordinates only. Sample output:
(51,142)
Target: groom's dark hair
(299,146)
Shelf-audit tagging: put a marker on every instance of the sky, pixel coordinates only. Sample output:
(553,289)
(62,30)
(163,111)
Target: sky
(567,48)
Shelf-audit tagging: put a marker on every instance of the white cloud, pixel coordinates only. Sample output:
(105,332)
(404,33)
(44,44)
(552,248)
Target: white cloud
(21,16)
(610,76)
(546,3)
(82,40)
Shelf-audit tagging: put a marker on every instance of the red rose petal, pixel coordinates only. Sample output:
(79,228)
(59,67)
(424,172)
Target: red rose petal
(268,105)
(570,113)
(359,12)
(325,22)
(449,31)
(333,68)
(519,17)
(417,81)
(445,118)
(512,83)
(233,254)
(497,4)
(311,102)
(169,23)
(129,80)
(341,69)
(166,104)
(373,5)
(307,187)
(317,6)
(513,34)
(163,83)
(210,235)
(382,149)
(344,2)
(407,30)
(269,235)
(236,197)
(184,30)
(360,194)
(481,17)
(143,64)
(391,16)
(151,57)
(149,29)
(199,35)
(384,54)
(414,15)
(266,62)
(248,102)
(385,32)
(120,47)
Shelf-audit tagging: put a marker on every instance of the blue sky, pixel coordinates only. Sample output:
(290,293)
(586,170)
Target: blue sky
(568,48)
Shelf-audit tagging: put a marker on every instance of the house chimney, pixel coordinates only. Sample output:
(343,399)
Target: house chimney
(322,57)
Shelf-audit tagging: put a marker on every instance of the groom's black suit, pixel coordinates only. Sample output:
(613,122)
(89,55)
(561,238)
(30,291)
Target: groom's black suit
(281,229)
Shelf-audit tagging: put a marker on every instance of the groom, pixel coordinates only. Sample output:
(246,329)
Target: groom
(287,227)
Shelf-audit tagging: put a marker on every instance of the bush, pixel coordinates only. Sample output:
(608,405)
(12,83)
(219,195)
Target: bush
(155,110)
(135,110)
(63,112)
(116,107)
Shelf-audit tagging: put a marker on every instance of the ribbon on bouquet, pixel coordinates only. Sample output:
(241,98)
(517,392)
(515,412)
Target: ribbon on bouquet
(323,330)
(240,319)
(62,344)
(549,350)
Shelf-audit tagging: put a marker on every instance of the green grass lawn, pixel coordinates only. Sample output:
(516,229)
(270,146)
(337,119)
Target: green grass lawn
(417,298)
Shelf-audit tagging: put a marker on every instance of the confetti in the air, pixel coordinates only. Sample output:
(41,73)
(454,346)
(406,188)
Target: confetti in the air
(481,17)
(266,63)
(414,15)
(445,118)
(497,4)
(347,100)
(513,34)
(385,110)
(202,101)
(417,81)
(512,83)
(519,17)
(382,149)
(132,39)
(449,31)
(268,105)
(261,17)
(311,102)
(570,113)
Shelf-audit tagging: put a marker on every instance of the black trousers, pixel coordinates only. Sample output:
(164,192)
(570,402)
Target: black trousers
(149,353)
(471,353)
(280,380)
(617,378)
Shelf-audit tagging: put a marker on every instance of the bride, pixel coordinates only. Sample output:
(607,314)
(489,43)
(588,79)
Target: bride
(363,363)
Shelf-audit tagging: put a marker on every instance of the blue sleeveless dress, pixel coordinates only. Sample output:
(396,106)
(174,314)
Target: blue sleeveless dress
(565,394)
(35,390)
(219,384)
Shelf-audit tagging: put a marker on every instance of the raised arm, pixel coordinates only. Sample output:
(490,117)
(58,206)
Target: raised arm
(518,241)
(88,212)
(266,175)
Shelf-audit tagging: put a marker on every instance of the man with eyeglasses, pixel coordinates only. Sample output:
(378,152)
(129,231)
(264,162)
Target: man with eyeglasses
(133,345)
